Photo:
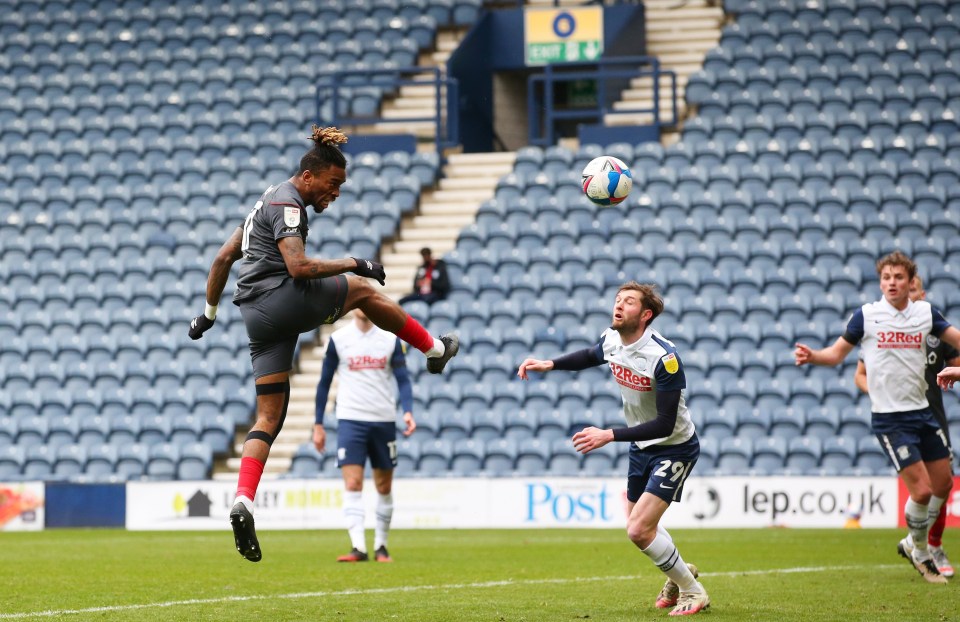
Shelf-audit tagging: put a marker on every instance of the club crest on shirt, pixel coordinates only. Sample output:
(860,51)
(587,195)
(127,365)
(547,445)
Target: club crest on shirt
(932,341)
(291,216)
(670,363)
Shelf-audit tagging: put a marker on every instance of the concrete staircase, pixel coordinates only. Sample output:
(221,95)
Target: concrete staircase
(680,36)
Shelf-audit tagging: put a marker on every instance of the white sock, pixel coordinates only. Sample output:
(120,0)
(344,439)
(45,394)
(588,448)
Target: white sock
(667,558)
(917,517)
(666,534)
(353,511)
(437,350)
(384,516)
(246,501)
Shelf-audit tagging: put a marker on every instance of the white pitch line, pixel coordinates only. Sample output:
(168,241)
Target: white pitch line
(410,588)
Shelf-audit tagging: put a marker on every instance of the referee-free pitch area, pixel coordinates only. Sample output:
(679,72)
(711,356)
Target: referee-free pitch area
(491,575)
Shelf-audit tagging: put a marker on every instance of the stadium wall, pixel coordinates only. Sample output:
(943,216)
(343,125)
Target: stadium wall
(470,503)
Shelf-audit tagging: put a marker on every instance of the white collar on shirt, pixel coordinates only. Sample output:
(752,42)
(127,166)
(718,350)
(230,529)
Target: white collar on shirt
(895,311)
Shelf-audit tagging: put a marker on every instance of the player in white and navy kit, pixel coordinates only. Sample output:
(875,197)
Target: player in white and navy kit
(939,354)
(892,333)
(369,359)
(663,442)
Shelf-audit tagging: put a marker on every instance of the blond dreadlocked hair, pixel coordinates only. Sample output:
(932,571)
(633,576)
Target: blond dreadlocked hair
(326,151)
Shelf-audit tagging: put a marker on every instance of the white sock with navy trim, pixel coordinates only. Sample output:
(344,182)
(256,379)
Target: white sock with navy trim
(665,555)
(353,511)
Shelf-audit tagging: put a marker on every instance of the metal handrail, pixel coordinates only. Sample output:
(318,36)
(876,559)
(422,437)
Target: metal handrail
(601,71)
(445,119)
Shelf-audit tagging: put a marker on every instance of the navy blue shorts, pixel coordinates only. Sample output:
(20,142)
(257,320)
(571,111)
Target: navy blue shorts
(661,470)
(911,437)
(359,440)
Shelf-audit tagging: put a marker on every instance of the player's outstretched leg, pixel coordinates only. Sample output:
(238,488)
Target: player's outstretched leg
(390,316)
(451,345)
(244,533)
(671,591)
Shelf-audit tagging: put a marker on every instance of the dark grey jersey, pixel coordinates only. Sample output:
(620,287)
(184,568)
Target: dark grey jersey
(278,214)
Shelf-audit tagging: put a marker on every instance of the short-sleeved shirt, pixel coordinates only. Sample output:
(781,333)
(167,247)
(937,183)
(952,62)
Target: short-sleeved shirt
(366,362)
(642,368)
(280,212)
(893,347)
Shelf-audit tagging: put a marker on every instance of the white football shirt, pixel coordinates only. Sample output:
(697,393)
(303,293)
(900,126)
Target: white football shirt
(892,345)
(641,369)
(368,388)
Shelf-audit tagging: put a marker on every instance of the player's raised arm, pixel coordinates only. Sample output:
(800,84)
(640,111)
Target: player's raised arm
(533,365)
(574,361)
(228,254)
(302,267)
(829,356)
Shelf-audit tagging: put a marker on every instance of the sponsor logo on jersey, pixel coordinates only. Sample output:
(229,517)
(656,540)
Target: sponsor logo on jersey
(291,216)
(670,363)
(357,363)
(628,378)
(897,340)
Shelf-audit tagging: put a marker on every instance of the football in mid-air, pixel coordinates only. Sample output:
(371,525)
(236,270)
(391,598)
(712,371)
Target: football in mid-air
(607,180)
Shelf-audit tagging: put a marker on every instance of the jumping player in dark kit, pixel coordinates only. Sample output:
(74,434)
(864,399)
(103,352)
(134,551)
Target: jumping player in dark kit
(282,293)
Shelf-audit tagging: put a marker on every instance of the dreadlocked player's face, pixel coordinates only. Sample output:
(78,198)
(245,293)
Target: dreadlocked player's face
(323,188)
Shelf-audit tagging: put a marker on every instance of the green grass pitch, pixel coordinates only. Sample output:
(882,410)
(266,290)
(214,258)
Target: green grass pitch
(451,575)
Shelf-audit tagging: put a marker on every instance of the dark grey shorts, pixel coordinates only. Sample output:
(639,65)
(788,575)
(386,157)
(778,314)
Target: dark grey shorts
(275,319)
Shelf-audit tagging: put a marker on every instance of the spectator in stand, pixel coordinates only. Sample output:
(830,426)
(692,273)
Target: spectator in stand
(431,282)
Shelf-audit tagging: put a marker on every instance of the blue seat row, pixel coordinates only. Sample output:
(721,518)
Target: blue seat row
(68,462)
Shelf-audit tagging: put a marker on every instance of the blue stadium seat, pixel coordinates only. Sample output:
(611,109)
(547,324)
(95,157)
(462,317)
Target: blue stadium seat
(803,453)
(871,457)
(100,462)
(38,461)
(769,454)
(196,462)
(601,462)
(499,457)
(533,457)
(734,454)
(11,462)
(162,461)
(70,461)
(753,423)
(838,453)
(466,458)
(564,459)
(408,454)
(454,425)
(487,425)
(306,461)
